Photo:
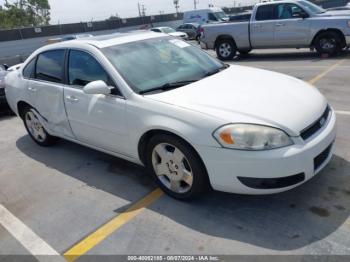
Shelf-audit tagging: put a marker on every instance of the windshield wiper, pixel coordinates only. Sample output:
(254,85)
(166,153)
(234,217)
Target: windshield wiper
(218,70)
(168,86)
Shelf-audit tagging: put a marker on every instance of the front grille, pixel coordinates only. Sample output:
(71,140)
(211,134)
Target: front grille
(321,158)
(317,125)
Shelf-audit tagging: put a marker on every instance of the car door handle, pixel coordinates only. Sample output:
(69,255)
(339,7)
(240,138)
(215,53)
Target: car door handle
(72,99)
(280,24)
(32,89)
(257,26)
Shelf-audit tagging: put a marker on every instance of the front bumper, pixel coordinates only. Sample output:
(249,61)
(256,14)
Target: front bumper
(227,167)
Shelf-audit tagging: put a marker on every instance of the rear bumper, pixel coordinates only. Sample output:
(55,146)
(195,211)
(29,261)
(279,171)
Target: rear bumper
(203,45)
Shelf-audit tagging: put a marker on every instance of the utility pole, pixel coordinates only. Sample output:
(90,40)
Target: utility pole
(143,10)
(177,6)
(195,2)
(139,7)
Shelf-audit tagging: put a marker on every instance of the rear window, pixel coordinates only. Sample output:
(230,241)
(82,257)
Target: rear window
(49,66)
(29,70)
(265,12)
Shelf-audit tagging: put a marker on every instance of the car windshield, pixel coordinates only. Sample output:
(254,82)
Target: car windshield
(221,15)
(150,64)
(312,7)
(167,30)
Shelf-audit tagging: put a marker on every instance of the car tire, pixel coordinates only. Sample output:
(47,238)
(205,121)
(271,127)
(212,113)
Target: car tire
(176,167)
(328,43)
(36,130)
(226,49)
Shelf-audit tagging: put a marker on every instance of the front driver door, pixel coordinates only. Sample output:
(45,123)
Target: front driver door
(291,30)
(97,120)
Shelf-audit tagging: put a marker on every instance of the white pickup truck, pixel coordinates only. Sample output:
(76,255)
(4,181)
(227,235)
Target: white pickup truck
(280,24)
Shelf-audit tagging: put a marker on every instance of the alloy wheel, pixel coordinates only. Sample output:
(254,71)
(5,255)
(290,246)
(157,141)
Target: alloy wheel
(172,168)
(35,127)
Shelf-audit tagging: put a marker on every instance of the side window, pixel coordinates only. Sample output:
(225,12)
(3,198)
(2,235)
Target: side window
(49,66)
(212,17)
(288,11)
(29,70)
(265,12)
(83,69)
(156,30)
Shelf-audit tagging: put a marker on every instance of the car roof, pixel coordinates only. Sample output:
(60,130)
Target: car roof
(277,2)
(160,27)
(103,41)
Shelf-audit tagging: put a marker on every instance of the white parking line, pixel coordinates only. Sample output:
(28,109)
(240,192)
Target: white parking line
(347,113)
(31,241)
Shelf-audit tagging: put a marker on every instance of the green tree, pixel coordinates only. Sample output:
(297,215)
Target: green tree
(22,13)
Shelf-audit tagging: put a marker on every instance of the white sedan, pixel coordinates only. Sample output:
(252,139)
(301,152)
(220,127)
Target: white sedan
(193,121)
(170,31)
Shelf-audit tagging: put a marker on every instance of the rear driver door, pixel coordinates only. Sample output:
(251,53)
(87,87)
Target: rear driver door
(262,27)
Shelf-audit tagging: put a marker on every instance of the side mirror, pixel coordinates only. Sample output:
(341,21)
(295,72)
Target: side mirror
(98,87)
(300,15)
(5,66)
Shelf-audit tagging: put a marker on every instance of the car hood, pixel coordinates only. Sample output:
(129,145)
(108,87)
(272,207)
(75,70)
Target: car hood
(242,94)
(335,13)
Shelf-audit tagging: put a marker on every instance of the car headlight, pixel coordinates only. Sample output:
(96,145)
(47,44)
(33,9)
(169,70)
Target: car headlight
(251,137)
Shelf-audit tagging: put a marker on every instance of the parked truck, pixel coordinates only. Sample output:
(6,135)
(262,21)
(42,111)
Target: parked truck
(280,24)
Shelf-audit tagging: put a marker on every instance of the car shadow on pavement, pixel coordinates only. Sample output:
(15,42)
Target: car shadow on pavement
(282,222)
(270,56)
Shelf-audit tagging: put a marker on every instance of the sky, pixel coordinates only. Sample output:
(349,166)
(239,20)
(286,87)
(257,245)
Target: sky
(71,11)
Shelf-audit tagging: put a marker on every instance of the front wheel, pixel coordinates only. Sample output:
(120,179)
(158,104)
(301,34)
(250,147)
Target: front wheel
(226,49)
(176,167)
(328,43)
(36,130)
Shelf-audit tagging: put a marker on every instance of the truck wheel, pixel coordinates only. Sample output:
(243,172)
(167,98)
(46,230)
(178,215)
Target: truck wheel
(36,130)
(176,167)
(226,49)
(328,43)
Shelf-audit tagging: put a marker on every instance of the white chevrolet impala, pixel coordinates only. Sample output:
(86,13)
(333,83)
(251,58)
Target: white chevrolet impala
(192,121)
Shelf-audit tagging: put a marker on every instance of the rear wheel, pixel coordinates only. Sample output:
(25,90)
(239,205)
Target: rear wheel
(36,130)
(328,43)
(226,49)
(176,167)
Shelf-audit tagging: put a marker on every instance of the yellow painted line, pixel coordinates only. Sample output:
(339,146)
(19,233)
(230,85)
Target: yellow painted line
(324,73)
(107,229)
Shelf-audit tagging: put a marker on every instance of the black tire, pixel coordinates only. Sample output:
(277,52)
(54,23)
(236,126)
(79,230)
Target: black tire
(226,49)
(46,139)
(328,43)
(200,181)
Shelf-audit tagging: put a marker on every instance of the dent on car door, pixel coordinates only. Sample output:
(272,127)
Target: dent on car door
(262,28)
(291,29)
(47,86)
(98,120)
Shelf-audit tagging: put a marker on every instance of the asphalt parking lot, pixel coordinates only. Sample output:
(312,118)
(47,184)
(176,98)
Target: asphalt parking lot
(76,201)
